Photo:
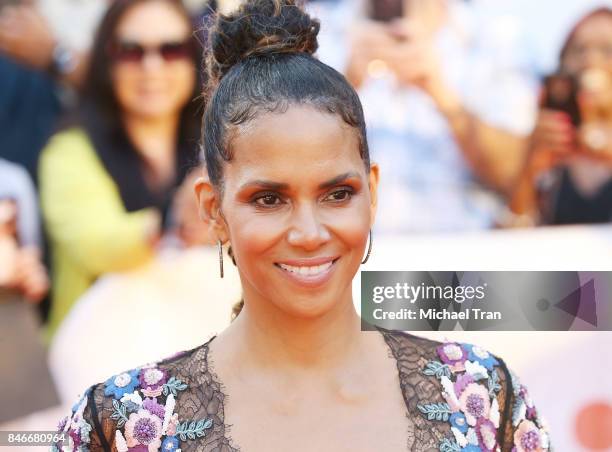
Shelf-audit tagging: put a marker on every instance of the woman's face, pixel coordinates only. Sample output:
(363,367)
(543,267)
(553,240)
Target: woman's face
(591,46)
(160,83)
(297,208)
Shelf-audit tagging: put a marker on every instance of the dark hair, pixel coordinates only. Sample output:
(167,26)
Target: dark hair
(99,113)
(260,60)
(602,11)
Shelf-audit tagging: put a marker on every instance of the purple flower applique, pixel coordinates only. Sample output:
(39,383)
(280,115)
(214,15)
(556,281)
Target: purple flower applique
(486,433)
(152,381)
(453,354)
(528,438)
(143,429)
(462,382)
(474,402)
(153,407)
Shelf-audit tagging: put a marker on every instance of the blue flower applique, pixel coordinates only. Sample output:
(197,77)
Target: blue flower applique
(121,384)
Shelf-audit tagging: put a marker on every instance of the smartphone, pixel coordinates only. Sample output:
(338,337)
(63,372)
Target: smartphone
(561,93)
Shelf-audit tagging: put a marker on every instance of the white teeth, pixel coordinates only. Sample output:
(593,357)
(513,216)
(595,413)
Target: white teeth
(308,271)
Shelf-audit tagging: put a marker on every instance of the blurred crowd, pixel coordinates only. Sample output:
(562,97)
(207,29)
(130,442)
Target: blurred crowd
(100,108)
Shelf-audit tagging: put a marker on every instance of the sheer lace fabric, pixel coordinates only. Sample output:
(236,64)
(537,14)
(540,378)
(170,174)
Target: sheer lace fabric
(185,388)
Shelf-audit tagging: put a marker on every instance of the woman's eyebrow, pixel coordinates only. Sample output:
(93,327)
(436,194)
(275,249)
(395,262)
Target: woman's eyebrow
(260,183)
(271,185)
(336,180)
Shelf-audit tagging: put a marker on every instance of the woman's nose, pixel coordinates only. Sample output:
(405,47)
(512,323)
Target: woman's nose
(152,61)
(306,229)
(595,58)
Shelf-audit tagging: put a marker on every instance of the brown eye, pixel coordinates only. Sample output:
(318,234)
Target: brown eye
(267,200)
(340,195)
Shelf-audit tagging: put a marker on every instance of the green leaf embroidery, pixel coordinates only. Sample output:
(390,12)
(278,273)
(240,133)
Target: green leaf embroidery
(193,429)
(435,411)
(446,445)
(436,368)
(119,413)
(173,385)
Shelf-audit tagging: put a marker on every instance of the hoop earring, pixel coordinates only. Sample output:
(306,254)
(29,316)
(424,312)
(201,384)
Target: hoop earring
(220,258)
(369,248)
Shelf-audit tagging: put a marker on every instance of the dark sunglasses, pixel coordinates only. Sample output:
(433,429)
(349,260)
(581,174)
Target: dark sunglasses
(133,52)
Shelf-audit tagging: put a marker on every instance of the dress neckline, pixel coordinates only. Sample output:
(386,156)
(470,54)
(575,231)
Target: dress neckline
(210,368)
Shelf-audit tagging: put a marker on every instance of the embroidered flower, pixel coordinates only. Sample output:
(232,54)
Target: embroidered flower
(168,410)
(494,412)
(121,384)
(471,448)
(143,428)
(474,402)
(153,407)
(481,356)
(132,401)
(84,431)
(452,354)
(139,448)
(152,381)
(476,370)
(472,437)
(486,433)
(75,437)
(459,421)
(77,428)
(449,393)
(172,424)
(530,410)
(527,438)
(120,443)
(170,444)
(462,382)
(62,424)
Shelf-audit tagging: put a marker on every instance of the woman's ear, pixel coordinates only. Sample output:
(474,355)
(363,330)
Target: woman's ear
(373,185)
(209,206)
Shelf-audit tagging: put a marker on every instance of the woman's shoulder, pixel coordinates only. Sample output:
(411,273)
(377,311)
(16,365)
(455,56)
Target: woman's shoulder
(159,404)
(70,147)
(71,138)
(472,390)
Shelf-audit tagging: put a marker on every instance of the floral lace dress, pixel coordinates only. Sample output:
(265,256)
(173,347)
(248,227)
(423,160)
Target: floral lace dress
(459,398)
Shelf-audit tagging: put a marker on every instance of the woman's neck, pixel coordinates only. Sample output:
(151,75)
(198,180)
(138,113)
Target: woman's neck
(155,141)
(150,135)
(269,338)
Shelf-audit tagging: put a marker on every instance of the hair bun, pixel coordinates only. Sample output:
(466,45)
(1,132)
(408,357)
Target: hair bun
(260,27)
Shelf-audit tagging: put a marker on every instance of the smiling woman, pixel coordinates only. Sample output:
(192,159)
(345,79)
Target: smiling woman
(290,186)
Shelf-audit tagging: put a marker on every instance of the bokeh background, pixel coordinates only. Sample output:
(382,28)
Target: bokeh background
(491,122)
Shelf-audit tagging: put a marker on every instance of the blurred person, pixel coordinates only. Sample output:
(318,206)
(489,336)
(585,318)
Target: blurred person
(37,72)
(291,187)
(448,101)
(567,177)
(106,183)
(25,382)
(21,269)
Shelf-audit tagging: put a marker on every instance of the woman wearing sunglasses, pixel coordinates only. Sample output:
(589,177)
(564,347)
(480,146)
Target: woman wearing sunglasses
(108,179)
(291,187)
